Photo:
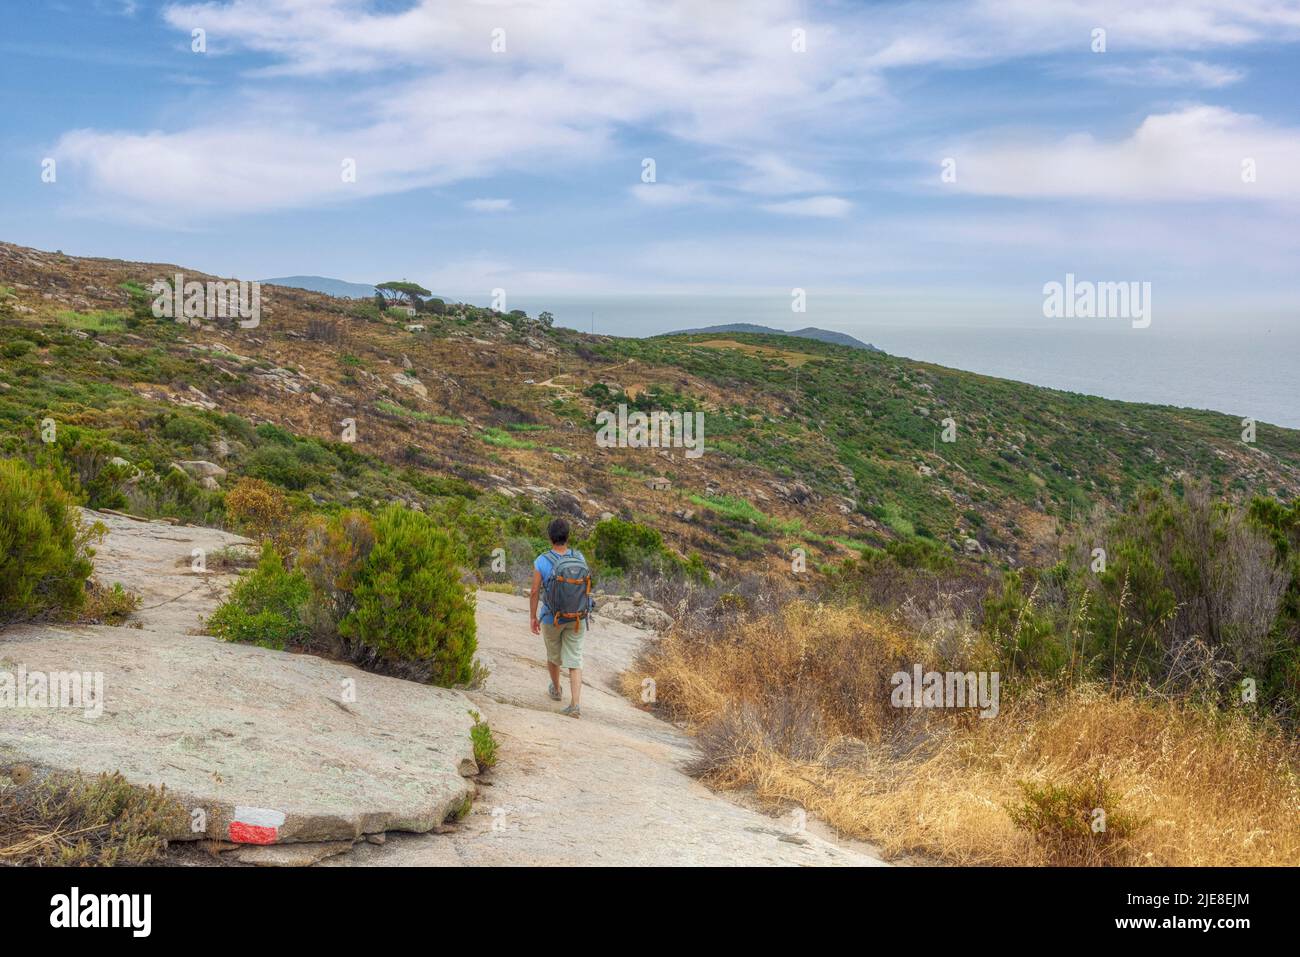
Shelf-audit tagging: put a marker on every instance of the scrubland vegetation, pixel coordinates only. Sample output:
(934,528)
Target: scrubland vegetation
(1160,692)
(80,821)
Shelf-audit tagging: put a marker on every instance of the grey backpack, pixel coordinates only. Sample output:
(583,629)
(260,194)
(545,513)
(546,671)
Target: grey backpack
(568,591)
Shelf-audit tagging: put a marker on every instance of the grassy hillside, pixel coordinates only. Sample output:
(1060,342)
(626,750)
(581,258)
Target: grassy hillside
(488,420)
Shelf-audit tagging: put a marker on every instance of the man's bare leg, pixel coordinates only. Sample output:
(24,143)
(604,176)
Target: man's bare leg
(575,684)
(554,669)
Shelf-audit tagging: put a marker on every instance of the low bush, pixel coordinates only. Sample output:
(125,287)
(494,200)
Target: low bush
(83,462)
(617,548)
(333,553)
(412,615)
(384,592)
(1182,593)
(76,821)
(265,607)
(262,511)
(1077,823)
(485,745)
(108,605)
(45,546)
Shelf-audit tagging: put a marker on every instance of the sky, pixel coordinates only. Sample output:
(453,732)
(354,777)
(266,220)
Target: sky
(935,163)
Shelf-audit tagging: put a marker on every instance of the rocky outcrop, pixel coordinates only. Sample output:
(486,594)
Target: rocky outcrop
(333,753)
(322,751)
(635,611)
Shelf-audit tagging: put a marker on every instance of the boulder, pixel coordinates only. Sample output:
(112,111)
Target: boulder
(200,469)
(641,614)
(411,383)
(566,502)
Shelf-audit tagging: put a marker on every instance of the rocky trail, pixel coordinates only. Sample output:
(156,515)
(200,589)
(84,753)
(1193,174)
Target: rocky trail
(339,766)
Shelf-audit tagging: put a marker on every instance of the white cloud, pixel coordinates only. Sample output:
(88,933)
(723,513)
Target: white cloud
(771,174)
(832,207)
(671,194)
(1173,71)
(432,104)
(490,205)
(1194,154)
(573,75)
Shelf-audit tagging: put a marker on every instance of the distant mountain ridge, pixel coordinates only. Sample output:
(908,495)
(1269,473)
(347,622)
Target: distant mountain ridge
(810,332)
(330,287)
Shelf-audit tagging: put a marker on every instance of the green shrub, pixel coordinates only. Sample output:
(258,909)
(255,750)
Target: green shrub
(475,530)
(1076,824)
(280,466)
(174,493)
(45,554)
(412,615)
(1194,591)
(82,461)
(265,606)
(186,430)
(1282,525)
(485,745)
(1023,632)
(920,553)
(616,546)
(333,552)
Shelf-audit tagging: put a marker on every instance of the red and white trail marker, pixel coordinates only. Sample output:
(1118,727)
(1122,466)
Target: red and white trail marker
(256,825)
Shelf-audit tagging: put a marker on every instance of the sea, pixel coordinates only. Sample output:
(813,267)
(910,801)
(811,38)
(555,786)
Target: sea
(1243,368)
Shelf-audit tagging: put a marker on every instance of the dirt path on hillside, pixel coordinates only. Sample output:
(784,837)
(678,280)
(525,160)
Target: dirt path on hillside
(606,789)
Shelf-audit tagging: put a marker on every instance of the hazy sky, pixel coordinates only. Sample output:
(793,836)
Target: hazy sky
(778,163)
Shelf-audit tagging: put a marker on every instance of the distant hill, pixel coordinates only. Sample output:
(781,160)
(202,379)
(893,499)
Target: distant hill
(821,335)
(330,287)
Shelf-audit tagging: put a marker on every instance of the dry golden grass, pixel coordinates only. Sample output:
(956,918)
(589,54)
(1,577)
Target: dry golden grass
(793,359)
(796,707)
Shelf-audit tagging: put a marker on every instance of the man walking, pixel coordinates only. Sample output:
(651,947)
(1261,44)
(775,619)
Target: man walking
(562,585)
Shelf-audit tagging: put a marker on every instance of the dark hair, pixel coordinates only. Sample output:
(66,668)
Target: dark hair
(558,531)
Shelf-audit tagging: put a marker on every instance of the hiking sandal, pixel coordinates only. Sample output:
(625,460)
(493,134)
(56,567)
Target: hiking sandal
(573,711)
(554,692)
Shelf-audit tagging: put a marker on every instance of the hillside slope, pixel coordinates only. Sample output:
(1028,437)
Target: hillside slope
(488,419)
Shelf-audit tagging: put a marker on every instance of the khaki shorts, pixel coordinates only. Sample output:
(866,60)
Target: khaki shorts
(564,644)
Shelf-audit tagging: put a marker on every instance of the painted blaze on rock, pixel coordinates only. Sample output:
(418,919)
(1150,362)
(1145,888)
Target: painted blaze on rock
(256,825)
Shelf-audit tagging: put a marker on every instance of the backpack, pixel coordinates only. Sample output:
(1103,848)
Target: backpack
(567,592)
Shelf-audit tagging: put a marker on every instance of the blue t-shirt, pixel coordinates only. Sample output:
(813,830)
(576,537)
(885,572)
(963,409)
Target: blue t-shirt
(545,565)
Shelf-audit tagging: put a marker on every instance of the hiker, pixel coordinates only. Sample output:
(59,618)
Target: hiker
(562,582)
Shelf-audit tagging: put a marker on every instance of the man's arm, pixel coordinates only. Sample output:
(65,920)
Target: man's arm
(533,623)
